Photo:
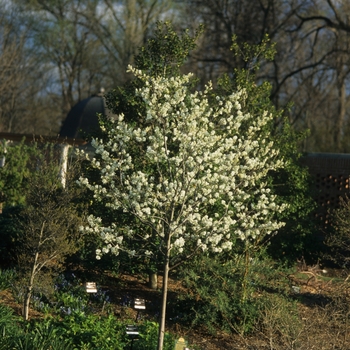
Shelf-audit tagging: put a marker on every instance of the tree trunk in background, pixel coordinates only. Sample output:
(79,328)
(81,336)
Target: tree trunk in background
(153,280)
(340,118)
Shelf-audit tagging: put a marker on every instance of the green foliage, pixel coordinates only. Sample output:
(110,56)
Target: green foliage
(71,297)
(6,278)
(45,228)
(338,236)
(31,187)
(94,332)
(252,54)
(49,221)
(42,335)
(167,51)
(224,294)
(14,174)
(75,331)
(149,336)
(8,327)
(91,332)
(9,235)
(292,184)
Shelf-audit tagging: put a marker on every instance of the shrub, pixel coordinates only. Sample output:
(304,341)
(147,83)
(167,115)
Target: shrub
(149,337)
(279,322)
(225,294)
(338,237)
(8,327)
(6,278)
(43,335)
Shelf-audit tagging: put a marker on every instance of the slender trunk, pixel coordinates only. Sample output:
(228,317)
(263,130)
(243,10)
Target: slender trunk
(164,296)
(29,291)
(153,280)
(26,304)
(34,271)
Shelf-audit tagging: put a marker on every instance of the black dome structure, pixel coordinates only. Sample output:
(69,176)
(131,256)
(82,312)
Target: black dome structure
(82,118)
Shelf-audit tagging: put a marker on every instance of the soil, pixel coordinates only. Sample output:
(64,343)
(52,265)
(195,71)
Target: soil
(313,292)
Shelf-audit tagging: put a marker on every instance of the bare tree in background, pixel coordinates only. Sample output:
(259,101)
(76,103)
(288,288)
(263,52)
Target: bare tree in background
(79,47)
(122,27)
(310,65)
(328,23)
(24,104)
(16,71)
(67,51)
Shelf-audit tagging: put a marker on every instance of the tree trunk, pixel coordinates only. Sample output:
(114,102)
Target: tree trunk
(29,291)
(34,271)
(164,297)
(26,303)
(153,280)
(338,134)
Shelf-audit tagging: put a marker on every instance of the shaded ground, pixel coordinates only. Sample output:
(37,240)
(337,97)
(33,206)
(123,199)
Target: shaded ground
(322,301)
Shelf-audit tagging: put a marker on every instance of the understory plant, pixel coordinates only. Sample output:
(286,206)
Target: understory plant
(8,327)
(75,331)
(227,293)
(338,236)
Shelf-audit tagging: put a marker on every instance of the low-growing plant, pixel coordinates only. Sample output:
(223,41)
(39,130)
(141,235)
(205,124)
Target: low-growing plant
(42,335)
(95,332)
(279,321)
(149,336)
(215,299)
(8,327)
(338,236)
(224,293)
(6,278)
(68,303)
(71,295)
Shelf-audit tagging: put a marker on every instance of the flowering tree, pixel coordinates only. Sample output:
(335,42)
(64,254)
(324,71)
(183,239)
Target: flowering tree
(199,182)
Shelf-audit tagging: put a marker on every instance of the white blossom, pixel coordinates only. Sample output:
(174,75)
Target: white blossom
(207,183)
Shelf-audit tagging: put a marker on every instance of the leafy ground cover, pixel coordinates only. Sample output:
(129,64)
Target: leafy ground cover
(312,314)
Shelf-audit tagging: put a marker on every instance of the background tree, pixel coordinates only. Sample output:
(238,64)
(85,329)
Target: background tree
(68,52)
(324,24)
(18,72)
(83,46)
(65,51)
(13,186)
(308,42)
(122,27)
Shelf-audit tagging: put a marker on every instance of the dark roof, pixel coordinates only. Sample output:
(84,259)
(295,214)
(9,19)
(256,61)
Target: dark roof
(82,118)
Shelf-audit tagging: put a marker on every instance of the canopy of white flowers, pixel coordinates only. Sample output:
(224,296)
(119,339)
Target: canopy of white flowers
(201,183)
